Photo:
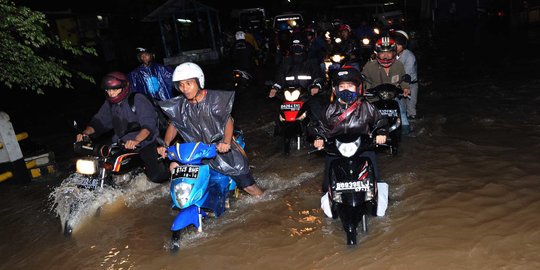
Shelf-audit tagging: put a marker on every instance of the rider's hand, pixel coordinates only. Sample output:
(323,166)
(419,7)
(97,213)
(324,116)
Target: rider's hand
(318,143)
(314,91)
(406,92)
(80,137)
(272,93)
(131,144)
(380,139)
(162,151)
(223,147)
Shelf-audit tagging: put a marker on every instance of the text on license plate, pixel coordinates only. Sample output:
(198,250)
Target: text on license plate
(290,107)
(186,171)
(355,185)
(389,113)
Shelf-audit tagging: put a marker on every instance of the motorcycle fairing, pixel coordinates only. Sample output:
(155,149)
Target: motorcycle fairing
(290,110)
(126,162)
(187,216)
(345,171)
(191,153)
(218,189)
(199,191)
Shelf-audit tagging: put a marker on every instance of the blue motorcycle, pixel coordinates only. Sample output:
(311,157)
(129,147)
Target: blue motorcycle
(195,187)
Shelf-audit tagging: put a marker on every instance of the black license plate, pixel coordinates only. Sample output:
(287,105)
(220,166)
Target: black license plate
(89,183)
(186,171)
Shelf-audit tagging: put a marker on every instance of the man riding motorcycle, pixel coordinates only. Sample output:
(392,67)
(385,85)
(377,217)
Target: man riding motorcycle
(298,71)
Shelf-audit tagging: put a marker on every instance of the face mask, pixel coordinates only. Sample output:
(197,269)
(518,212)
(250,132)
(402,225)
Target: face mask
(347,96)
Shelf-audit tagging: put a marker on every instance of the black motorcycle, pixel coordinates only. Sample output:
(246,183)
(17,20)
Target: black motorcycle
(384,98)
(353,189)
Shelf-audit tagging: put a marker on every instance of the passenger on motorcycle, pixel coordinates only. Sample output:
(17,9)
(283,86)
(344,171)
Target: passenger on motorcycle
(137,129)
(345,44)
(405,56)
(151,78)
(201,115)
(243,53)
(349,113)
(385,69)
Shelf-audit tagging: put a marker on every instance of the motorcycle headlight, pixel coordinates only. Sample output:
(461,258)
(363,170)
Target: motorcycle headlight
(387,95)
(337,40)
(86,166)
(336,58)
(182,191)
(292,95)
(348,149)
(376,31)
(365,41)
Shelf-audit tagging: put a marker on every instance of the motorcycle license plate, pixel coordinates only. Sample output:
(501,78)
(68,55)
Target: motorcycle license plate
(389,113)
(354,186)
(186,171)
(89,183)
(290,107)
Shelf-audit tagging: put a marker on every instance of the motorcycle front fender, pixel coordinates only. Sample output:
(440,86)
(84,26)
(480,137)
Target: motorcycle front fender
(186,217)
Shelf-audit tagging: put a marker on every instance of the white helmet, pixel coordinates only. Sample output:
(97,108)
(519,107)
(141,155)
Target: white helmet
(403,33)
(240,35)
(188,70)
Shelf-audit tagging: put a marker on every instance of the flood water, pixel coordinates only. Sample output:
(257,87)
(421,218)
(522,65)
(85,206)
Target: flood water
(464,194)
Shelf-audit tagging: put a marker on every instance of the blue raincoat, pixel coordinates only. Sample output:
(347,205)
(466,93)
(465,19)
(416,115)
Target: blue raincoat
(155,81)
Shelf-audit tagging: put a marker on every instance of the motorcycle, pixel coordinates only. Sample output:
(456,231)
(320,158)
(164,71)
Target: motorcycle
(196,188)
(384,98)
(353,193)
(102,168)
(240,79)
(292,117)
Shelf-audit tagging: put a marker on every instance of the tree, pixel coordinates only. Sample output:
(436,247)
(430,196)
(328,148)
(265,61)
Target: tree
(31,59)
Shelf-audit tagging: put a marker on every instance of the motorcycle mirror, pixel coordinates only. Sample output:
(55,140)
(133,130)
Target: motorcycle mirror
(75,125)
(364,78)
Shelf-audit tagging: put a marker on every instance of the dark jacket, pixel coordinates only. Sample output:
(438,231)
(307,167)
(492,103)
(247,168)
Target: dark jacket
(361,121)
(120,118)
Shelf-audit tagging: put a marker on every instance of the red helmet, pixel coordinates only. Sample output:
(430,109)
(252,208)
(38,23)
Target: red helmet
(116,80)
(385,44)
(344,27)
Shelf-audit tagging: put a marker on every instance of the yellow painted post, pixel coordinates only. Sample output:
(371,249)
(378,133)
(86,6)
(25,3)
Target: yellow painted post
(5,176)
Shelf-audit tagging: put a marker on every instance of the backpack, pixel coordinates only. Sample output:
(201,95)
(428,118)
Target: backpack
(162,121)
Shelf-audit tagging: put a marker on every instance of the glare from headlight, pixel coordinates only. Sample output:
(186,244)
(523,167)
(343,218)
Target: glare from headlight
(86,166)
(337,40)
(292,96)
(336,58)
(182,191)
(365,41)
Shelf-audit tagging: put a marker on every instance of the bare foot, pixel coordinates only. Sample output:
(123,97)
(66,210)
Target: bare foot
(254,190)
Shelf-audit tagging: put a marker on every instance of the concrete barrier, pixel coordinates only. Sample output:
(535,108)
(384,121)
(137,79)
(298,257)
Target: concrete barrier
(11,157)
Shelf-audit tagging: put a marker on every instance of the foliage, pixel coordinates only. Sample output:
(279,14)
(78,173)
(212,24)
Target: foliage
(31,59)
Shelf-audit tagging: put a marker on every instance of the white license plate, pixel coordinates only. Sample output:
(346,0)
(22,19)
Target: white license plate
(356,186)
(186,171)
(290,107)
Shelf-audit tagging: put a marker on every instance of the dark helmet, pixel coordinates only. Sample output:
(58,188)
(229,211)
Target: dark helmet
(116,80)
(347,74)
(141,51)
(298,46)
(385,44)
(345,27)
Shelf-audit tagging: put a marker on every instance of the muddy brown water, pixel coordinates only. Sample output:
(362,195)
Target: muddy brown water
(464,194)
